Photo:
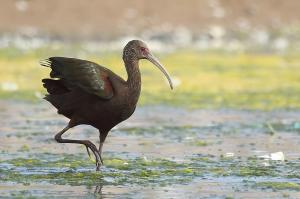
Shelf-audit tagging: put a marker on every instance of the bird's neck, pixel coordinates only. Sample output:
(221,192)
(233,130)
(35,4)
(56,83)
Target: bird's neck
(134,78)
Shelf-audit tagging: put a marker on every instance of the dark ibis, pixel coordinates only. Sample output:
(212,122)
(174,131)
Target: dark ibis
(90,94)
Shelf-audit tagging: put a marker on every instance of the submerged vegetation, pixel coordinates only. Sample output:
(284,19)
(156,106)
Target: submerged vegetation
(202,79)
(124,169)
(75,170)
(232,154)
(279,185)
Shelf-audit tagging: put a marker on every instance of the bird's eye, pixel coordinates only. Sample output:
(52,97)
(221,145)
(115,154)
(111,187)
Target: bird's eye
(144,50)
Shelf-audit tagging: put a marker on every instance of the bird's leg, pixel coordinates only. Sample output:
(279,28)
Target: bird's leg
(100,151)
(98,189)
(102,136)
(87,149)
(88,144)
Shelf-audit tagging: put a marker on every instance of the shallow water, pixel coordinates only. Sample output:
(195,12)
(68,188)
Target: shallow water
(160,152)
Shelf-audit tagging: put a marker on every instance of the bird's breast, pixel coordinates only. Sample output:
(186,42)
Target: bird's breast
(127,112)
(118,109)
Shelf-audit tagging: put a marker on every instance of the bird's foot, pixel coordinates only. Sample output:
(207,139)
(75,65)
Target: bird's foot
(98,158)
(87,149)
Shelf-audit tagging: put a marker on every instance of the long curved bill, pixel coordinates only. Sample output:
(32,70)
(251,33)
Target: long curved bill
(155,61)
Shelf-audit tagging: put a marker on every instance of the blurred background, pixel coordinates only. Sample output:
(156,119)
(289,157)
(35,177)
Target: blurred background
(217,51)
(269,25)
(229,129)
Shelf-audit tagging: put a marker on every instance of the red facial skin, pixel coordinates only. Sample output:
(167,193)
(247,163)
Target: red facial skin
(145,51)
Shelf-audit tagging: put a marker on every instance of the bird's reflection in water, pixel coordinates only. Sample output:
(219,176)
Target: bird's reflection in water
(98,191)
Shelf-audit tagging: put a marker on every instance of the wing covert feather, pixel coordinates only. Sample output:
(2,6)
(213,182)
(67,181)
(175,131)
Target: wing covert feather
(86,75)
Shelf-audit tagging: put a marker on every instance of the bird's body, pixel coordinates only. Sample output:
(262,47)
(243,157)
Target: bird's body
(88,93)
(86,108)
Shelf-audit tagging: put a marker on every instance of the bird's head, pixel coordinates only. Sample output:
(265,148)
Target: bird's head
(136,50)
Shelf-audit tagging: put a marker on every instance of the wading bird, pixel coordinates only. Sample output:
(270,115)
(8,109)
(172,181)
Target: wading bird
(88,93)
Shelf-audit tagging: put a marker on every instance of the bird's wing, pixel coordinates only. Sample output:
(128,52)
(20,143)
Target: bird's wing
(86,75)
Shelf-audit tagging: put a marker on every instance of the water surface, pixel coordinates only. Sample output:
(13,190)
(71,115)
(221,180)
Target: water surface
(160,152)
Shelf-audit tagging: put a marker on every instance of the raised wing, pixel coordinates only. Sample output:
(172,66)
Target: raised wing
(86,75)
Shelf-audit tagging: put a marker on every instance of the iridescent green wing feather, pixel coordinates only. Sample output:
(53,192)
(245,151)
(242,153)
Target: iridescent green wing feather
(86,75)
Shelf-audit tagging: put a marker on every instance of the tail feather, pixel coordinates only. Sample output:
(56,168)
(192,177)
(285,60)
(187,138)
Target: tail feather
(58,93)
(49,63)
(46,62)
(54,87)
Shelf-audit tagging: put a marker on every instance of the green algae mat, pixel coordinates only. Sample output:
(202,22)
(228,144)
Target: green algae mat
(161,152)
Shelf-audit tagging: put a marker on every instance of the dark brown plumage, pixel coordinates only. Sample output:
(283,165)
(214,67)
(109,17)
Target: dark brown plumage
(88,93)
